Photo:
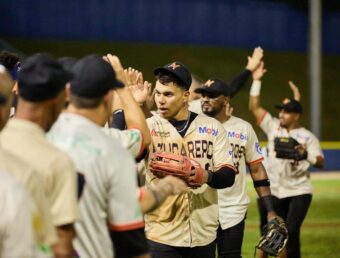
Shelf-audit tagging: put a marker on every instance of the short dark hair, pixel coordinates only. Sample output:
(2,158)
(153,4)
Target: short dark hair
(9,60)
(83,102)
(165,77)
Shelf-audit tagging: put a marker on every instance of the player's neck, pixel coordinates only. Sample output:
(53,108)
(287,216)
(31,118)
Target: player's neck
(222,117)
(96,115)
(293,126)
(183,114)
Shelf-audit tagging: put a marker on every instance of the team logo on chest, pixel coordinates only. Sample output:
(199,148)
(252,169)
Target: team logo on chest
(155,133)
(207,130)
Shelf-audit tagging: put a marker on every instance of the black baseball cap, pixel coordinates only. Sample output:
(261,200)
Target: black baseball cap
(177,69)
(93,77)
(41,78)
(215,86)
(67,62)
(290,105)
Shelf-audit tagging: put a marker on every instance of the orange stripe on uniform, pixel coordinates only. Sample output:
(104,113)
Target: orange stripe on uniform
(226,165)
(127,227)
(255,161)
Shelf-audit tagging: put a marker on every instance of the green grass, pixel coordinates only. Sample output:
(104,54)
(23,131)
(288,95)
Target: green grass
(225,63)
(321,228)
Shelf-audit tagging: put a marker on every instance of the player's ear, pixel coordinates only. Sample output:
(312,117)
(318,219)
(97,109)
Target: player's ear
(186,95)
(226,100)
(68,91)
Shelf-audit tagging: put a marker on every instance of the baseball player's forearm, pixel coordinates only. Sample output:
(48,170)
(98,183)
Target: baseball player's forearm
(154,195)
(221,178)
(239,81)
(254,101)
(262,187)
(134,116)
(64,247)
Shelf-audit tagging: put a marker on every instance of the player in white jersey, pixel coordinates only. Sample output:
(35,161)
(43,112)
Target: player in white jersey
(111,223)
(290,179)
(185,225)
(16,223)
(245,151)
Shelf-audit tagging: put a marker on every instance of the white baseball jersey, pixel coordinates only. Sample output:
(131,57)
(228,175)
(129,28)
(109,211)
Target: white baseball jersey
(107,184)
(188,219)
(245,149)
(16,224)
(289,177)
(131,139)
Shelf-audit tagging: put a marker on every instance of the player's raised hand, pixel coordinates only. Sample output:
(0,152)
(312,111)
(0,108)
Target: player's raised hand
(138,87)
(295,90)
(116,65)
(255,59)
(259,71)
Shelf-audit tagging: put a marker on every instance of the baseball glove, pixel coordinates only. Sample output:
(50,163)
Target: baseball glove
(285,148)
(274,237)
(163,164)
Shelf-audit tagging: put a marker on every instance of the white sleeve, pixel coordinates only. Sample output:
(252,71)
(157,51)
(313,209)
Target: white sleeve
(124,210)
(268,123)
(131,139)
(313,149)
(221,147)
(253,148)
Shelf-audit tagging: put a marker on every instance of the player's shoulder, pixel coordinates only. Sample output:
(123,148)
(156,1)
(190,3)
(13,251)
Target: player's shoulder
(202,118)
(302,132)
(239,122)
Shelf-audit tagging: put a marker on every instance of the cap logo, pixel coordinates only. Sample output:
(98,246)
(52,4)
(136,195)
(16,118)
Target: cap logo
(174,66)
(286,101)
(208,83)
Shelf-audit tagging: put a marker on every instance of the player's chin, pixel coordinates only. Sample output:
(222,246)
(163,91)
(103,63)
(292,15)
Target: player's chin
(208,111)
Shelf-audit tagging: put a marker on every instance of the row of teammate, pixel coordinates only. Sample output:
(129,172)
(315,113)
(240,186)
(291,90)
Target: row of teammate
(185,225)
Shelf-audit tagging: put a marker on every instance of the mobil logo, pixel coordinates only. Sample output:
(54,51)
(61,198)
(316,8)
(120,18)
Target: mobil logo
(207,130)
(241,136)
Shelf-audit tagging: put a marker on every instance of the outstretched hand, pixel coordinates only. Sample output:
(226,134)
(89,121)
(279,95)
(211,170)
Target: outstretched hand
(259,71)
(295,90)
(116,66)
(136,84)
(255,59)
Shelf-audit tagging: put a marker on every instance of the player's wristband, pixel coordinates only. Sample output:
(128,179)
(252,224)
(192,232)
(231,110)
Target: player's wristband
(255,88)
(261,183)
(267,202)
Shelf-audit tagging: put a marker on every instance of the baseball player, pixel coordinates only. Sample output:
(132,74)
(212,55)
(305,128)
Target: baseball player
(111,223)
(290,179)
(245,151)
(41,85)
(32,181)
(185,225)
